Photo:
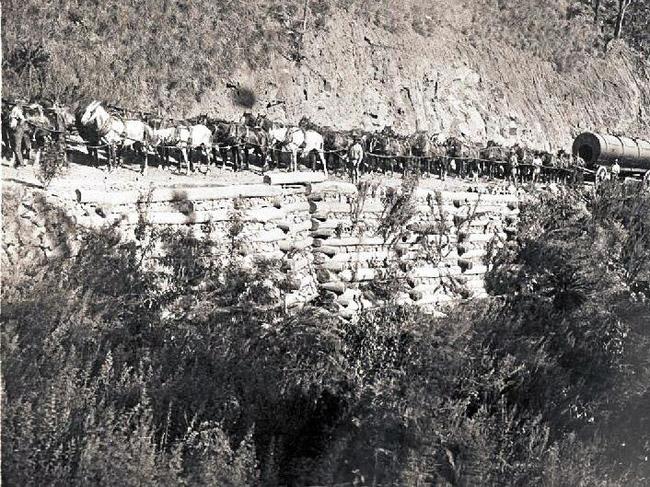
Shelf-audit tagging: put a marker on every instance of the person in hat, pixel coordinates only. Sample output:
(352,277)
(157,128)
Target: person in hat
(355,157)
(513,167)
(615,170)
(537,167)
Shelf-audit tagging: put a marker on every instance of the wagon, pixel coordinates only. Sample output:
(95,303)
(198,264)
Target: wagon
(599,152)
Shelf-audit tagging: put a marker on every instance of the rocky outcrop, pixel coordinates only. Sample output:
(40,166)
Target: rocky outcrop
(354,75)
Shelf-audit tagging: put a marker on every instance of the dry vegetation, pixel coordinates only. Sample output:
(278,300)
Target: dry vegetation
(115,375)
(169,54)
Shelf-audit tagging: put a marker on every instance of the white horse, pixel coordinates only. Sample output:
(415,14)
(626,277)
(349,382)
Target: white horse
(118,133)
(296,140)
(163,139)
(194,137)
(304,141)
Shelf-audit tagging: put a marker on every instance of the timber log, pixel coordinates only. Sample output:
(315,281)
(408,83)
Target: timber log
(602,149)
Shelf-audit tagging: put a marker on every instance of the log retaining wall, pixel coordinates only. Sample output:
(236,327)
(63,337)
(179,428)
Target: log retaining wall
(335,241)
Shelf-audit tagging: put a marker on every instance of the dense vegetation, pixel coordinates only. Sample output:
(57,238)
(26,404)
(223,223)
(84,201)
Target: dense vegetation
(116,375)
(170,55)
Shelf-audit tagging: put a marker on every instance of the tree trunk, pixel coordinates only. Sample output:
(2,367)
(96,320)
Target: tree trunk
(622,8)
(596,8)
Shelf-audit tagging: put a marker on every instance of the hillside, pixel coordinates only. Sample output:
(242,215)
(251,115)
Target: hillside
(486,68)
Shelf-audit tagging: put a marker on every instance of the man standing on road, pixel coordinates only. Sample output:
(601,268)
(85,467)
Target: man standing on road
(355,157)
(513,167)
(615,170)
(537,167)
(579,171)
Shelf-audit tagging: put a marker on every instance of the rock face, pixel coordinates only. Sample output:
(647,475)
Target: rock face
(355,77)
(337,241)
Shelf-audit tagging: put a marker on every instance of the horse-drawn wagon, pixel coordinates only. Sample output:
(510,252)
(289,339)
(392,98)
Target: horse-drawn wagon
(600,151)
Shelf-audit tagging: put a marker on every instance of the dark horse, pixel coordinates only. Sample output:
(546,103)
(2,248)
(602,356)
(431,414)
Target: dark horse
(466,157)
(243,138)
(32,127)
(431,154)
(390,149)
(495,159)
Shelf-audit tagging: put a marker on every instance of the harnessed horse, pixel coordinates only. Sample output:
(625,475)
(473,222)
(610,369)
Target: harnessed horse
(243,138)
(388,146)
(30,126)
(295,140)
(194,137)
(117,133)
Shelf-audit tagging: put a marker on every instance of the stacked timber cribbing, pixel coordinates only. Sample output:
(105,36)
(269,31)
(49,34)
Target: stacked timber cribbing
(331,238)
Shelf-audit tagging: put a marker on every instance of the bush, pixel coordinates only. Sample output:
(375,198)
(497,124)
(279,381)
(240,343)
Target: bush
(114,374)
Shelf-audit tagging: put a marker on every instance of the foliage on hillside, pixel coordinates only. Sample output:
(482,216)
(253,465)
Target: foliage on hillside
(115,375)
(170,54)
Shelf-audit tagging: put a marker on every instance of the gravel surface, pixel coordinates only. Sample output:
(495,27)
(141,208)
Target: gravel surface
(82,174)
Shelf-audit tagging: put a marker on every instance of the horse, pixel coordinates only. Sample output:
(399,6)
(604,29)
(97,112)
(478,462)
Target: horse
(250,120)
(162,139)
(389,146)
(525,156)
(295,140)
(193,137)
(425,146)
(28,127)
(336,144)
(116,133)
(355,158)
(242,138)
(495,158)
(276,132)
(221,143)
(466,156)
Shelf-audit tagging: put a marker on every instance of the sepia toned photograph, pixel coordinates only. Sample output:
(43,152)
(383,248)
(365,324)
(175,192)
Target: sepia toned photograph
(325,243)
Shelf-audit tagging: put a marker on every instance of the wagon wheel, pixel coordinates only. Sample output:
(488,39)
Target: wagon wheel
(601,175)
(646,180)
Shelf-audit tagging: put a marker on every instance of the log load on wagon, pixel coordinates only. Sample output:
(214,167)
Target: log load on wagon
(600,151)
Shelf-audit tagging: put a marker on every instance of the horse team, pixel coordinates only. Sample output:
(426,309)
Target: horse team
(204,141)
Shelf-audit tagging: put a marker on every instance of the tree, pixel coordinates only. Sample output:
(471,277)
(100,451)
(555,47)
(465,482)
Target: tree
(623,5)
(596,7)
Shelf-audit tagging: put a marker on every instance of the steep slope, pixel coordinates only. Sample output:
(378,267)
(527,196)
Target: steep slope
(526,72)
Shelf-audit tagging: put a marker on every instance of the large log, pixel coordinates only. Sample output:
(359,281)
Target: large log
(436,299)
(292,300)
(349,241)
(379,255)
(337,187)
(296,207)
(287,245)
(327,250)
(463,197)
(476,269)
(333,266)
(480,237)
(275,235)
(430,271)
(331,223)
(298,262)
(198,193)
(298,177)
(337,287)
(348,297)
(363,274)
(323,233)
(425,290)
(292,227)
(474,254)
(327,207)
